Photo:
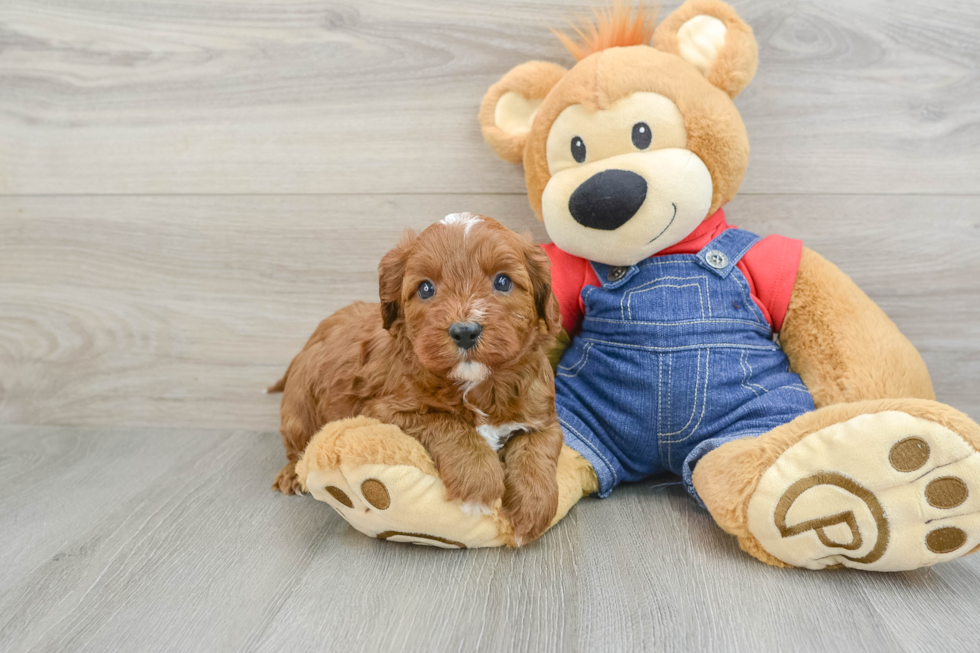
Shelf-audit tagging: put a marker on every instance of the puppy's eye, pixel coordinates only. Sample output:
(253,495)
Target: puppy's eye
(426,289)
(642,135)
(578,149)
(502,283)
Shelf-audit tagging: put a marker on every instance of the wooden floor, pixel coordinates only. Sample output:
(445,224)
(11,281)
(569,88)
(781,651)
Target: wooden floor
(187,188)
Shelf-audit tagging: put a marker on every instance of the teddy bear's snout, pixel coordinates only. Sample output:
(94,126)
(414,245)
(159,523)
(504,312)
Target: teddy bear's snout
(608,199)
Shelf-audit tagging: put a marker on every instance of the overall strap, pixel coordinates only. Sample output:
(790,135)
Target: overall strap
(722,254)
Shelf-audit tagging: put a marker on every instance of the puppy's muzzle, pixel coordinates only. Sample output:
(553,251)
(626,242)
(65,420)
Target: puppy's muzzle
(465,334)
(608,199)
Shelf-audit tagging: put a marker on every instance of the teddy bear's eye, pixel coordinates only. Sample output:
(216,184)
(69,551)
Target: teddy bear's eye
(578,149)
(642,135)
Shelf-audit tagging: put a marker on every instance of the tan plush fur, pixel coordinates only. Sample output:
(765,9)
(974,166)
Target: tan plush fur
(850,355)
(357,441)
(397,362)
(842,345)
(576,479)
(715,129)
(533,80)
(738,59)
(727,477)
(362,441)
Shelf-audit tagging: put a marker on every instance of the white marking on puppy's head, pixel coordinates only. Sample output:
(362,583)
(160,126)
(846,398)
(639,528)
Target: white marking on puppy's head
(466,220)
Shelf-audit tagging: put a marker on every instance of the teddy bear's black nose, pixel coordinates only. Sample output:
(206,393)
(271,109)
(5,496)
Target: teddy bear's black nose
(608,199)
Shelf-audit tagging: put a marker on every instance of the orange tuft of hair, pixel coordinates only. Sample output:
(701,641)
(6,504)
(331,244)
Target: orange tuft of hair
(612,28)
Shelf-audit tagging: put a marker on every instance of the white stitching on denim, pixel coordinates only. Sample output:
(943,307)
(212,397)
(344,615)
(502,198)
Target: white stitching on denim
(746,374)
(662,424)
(670,383)
(660,391)
(629,295)
(713,345)
(704,400)
(591,446)
(673,259)
(743,286)
(712,321)
(580,364)
(734,235)
(752,372)
(694,408)
(625,301)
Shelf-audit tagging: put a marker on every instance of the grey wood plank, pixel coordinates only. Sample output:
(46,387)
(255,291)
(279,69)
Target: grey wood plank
(186,552)
(162,540)
(285,96)
(179,311)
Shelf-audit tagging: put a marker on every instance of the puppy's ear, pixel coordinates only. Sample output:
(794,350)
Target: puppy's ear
(509,107)
(539,269)
(390,273)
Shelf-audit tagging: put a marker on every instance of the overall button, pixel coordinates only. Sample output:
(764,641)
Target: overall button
(615,274)
(717,260)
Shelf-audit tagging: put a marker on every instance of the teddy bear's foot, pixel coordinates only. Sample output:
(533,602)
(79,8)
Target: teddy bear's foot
(881,485)
(385,485)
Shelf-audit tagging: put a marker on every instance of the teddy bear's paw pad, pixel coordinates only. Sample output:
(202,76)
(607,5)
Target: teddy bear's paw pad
(882,492)
(401,503)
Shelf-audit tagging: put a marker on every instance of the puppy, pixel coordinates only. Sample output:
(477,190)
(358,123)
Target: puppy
(455,355)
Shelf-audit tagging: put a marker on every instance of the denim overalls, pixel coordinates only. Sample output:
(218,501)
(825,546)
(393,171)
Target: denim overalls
(674,359)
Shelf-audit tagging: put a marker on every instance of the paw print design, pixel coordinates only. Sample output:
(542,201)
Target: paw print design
(385,485)
(883,492)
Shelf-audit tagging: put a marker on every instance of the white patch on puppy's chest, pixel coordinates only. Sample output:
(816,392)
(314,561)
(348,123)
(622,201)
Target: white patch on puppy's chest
(497,436)
(470,372)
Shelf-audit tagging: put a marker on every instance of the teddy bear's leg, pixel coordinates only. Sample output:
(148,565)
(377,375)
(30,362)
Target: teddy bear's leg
(881,485)
(385,485)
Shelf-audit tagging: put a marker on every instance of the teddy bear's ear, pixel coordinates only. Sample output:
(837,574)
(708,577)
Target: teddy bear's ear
(508,108)
(709,35)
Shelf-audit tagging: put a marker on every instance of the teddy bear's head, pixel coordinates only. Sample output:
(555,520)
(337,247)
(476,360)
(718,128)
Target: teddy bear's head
(630,150)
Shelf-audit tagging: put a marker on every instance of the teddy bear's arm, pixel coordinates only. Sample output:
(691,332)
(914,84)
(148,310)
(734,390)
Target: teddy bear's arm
(843,345)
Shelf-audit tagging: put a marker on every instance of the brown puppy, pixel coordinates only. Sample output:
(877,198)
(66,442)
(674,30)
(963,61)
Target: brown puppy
(455,355)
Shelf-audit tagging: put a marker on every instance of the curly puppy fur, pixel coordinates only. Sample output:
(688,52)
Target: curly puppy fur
(396,361)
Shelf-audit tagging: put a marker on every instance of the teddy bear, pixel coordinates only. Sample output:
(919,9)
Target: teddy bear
(790,405)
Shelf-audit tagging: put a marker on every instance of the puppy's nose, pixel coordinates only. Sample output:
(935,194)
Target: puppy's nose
(465,334)
(608,199)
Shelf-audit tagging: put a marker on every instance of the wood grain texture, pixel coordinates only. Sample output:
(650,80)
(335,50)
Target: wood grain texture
(287,96)
(186,189)
(178,311)
(155,540)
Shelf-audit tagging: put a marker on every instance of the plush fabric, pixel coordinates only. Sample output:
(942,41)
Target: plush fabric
(727,477)
(878,476)
(385,485)
(770,267)
(843,346)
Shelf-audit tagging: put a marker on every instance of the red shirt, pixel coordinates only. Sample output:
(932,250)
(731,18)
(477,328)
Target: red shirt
(770,268)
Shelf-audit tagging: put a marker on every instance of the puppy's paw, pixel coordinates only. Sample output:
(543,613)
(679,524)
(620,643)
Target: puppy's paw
(476,509)
(530,513)
(478,483)
(286,480)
